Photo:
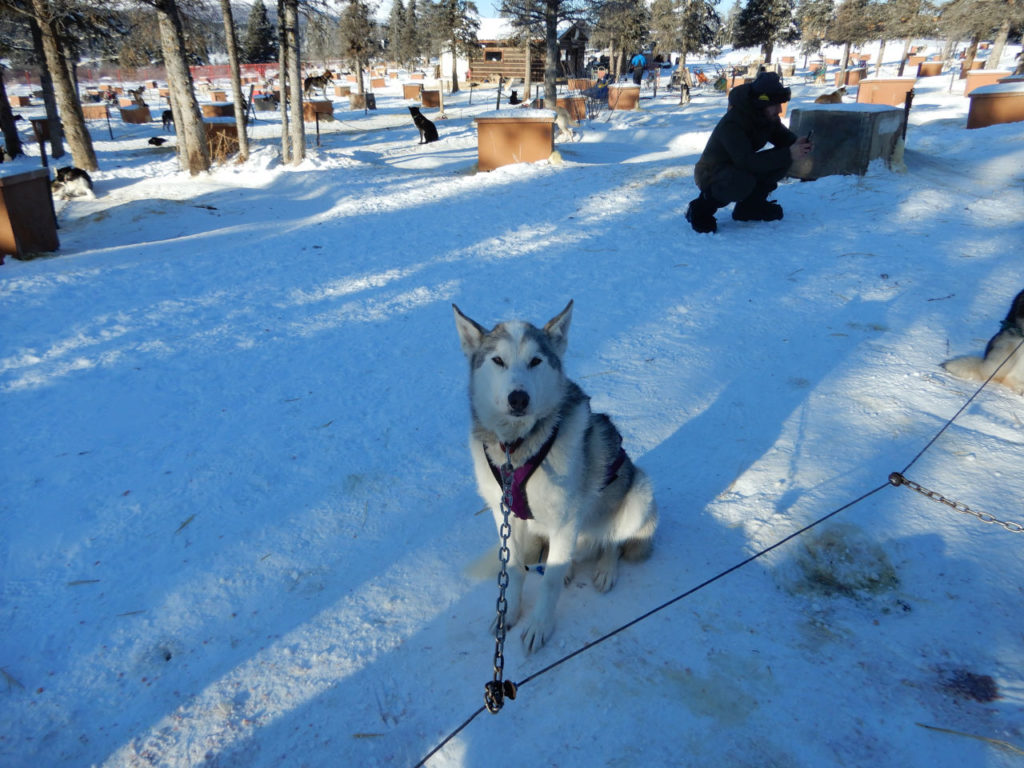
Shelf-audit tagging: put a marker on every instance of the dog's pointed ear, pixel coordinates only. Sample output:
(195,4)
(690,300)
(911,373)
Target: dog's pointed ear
(471,333)
(557,329)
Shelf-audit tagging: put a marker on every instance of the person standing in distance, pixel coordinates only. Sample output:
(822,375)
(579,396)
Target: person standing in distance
(639,64)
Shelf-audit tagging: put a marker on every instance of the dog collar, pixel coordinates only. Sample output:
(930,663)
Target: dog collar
(519,505)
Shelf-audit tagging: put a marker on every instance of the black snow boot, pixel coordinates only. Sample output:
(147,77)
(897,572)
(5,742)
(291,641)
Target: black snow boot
(757,209)
(701,213)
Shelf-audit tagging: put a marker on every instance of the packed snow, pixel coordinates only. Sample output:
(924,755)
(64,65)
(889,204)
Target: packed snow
(237,503)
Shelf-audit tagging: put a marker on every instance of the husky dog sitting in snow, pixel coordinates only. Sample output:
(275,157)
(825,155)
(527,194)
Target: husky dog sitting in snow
(427,129)
(999,347)
(72,182)
(575,494)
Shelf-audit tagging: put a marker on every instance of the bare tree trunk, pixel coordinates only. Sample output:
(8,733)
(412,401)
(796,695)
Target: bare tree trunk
(73,120)
(236,80)
(12,141)
(846,63)
(298,127)
(998,45)
(455,68)
(49,99)
(878,61)
(528,74)
(282,86)
(193,150)
(972,52)
(551,55)
(903,58)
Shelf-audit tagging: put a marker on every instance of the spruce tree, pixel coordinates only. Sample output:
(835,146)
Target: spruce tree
(453,25)
(410,44)
(763,23)
(259,41)
(396,25)
(357,36)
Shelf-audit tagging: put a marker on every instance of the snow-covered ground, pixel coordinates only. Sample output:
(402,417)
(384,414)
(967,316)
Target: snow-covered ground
(236,500)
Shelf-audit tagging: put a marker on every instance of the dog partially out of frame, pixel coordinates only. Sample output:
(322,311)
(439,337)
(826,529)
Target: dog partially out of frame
(427,129)
(575,494)
(72,182)
(1010,335)
(317,82)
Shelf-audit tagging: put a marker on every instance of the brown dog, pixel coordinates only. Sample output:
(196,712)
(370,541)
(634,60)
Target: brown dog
(836,97)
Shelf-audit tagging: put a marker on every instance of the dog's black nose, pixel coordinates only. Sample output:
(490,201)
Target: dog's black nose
(518,399)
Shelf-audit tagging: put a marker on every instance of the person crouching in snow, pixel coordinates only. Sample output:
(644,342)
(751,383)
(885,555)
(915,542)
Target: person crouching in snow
(733,168)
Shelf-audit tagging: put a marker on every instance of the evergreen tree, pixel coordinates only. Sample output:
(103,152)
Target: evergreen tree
(453,25)
(910,19)
(977,20)
(358,36)
(687,26)
(410,44)
(259,41)
(852,26)
(700,25)
(396,25)
(727,31)
(544,16)
(763,23)
(814,18)
(665,25)
(622,26)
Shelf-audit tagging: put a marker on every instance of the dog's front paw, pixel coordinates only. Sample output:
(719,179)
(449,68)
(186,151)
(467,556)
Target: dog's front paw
(604,578)
(607,570)
(537,632)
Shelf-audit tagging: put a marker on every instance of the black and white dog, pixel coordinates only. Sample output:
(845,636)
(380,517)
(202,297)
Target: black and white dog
(428,131)
(574,493)
(999,347)
(317,82)
(72,182)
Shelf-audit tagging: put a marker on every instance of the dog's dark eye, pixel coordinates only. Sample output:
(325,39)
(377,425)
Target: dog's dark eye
(498,361)
(535,362)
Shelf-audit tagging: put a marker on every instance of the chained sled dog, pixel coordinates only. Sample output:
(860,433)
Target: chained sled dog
(575,494)
(999,346)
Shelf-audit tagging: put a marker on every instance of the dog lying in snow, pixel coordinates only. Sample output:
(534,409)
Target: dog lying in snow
(999,346)
(72,182)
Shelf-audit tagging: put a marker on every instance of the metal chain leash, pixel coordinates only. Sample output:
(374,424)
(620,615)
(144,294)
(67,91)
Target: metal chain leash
(898,479)
(497,689)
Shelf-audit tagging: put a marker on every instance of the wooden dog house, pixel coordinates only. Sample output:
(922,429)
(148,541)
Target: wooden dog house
(978,77)
(623,96)
(514,136)
(885,90)
(27,220)
(996,104)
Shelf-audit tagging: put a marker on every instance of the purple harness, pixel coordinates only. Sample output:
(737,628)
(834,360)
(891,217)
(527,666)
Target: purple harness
(520,507)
